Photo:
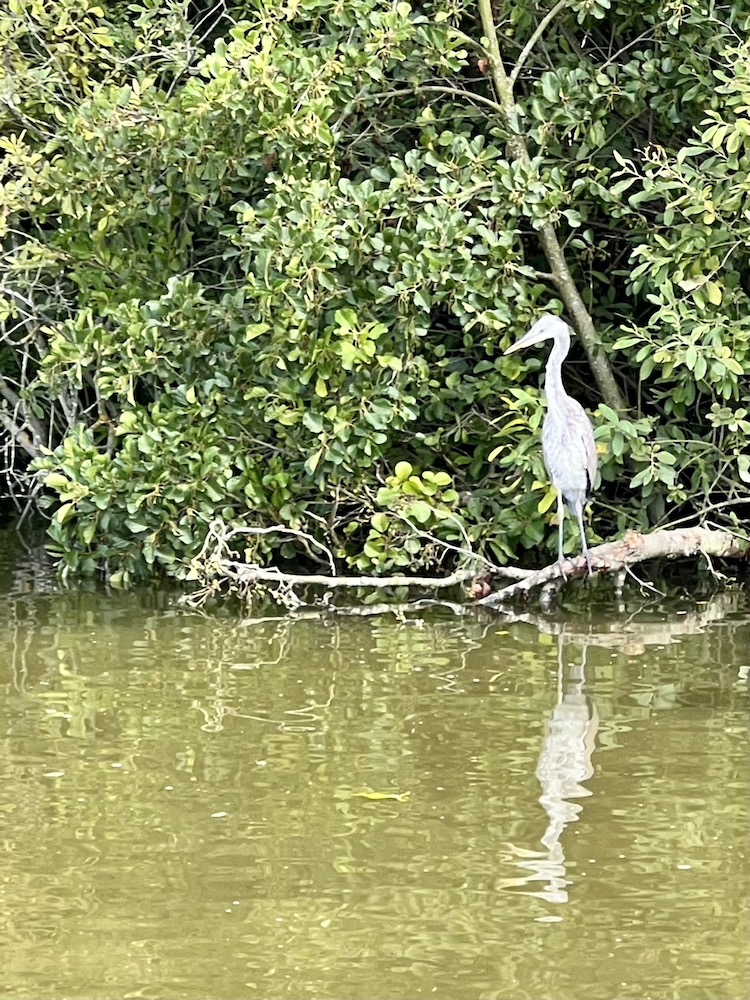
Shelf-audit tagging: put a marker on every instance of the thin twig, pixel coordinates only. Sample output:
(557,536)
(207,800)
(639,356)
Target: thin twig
(37,431)
(535,36)
(706,510)
(19,434)
(510,572)
(643,584)
(279,530)
(466,95)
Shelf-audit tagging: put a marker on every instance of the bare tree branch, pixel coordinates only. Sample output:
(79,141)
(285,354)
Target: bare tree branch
(535,36)
(218,565)
(12,397)
(250,573)
(459,92)
(19,434)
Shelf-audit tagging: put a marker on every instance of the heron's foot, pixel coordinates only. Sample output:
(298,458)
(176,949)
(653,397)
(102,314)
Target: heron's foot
(560,562)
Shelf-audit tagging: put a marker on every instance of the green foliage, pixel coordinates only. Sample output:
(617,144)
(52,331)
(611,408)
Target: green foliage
(417,511)
(259,270)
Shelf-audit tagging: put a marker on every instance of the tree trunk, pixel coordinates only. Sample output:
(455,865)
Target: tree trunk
(566,286)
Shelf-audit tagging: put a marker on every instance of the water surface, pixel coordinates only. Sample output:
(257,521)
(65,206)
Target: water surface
(202,806)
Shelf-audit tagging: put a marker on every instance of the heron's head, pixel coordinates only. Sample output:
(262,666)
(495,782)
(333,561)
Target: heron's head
(548,327)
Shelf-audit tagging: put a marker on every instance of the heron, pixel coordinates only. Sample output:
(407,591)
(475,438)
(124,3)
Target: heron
(568,445)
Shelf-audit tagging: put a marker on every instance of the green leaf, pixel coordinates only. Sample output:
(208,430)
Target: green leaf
(56,482)
(64,513)
(547,500)
(379,522)
(438,478)
(348,353)
(313,461)
(420,511)
(390,361)
(641,478)
(256,330)
(136,526)
(423,299)
(346,320)
(312,421)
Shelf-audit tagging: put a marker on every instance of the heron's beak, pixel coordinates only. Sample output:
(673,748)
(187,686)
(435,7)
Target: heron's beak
(543,329)
(532,337)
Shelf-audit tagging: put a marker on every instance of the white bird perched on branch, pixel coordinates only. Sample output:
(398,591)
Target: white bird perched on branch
(568,444)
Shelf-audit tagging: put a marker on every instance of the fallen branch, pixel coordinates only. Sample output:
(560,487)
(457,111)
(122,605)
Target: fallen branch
(246,573)
(634,548)
(243,578)
(218,564)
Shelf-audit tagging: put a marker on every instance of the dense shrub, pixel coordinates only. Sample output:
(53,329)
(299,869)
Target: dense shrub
(262,266)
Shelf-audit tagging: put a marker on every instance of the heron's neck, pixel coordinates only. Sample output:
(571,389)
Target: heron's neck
(553,381)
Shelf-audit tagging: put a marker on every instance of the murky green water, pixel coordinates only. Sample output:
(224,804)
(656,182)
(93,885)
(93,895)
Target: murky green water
(466,808)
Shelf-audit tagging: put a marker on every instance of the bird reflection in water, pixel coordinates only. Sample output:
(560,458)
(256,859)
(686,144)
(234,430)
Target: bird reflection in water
(564,763)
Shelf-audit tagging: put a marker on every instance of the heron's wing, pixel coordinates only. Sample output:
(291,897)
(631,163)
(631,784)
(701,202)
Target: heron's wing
(587,445)
(569,448)
(592,456)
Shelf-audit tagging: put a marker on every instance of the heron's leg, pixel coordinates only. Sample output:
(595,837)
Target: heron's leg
(584,546)
(560,518)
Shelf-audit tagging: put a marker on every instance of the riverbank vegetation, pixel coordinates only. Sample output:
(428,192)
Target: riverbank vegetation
(260,262)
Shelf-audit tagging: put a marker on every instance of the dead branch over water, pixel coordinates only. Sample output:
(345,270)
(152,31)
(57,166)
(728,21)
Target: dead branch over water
(619,556)
(218,567)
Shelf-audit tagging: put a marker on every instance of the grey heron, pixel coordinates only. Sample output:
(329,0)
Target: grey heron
(568,444)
